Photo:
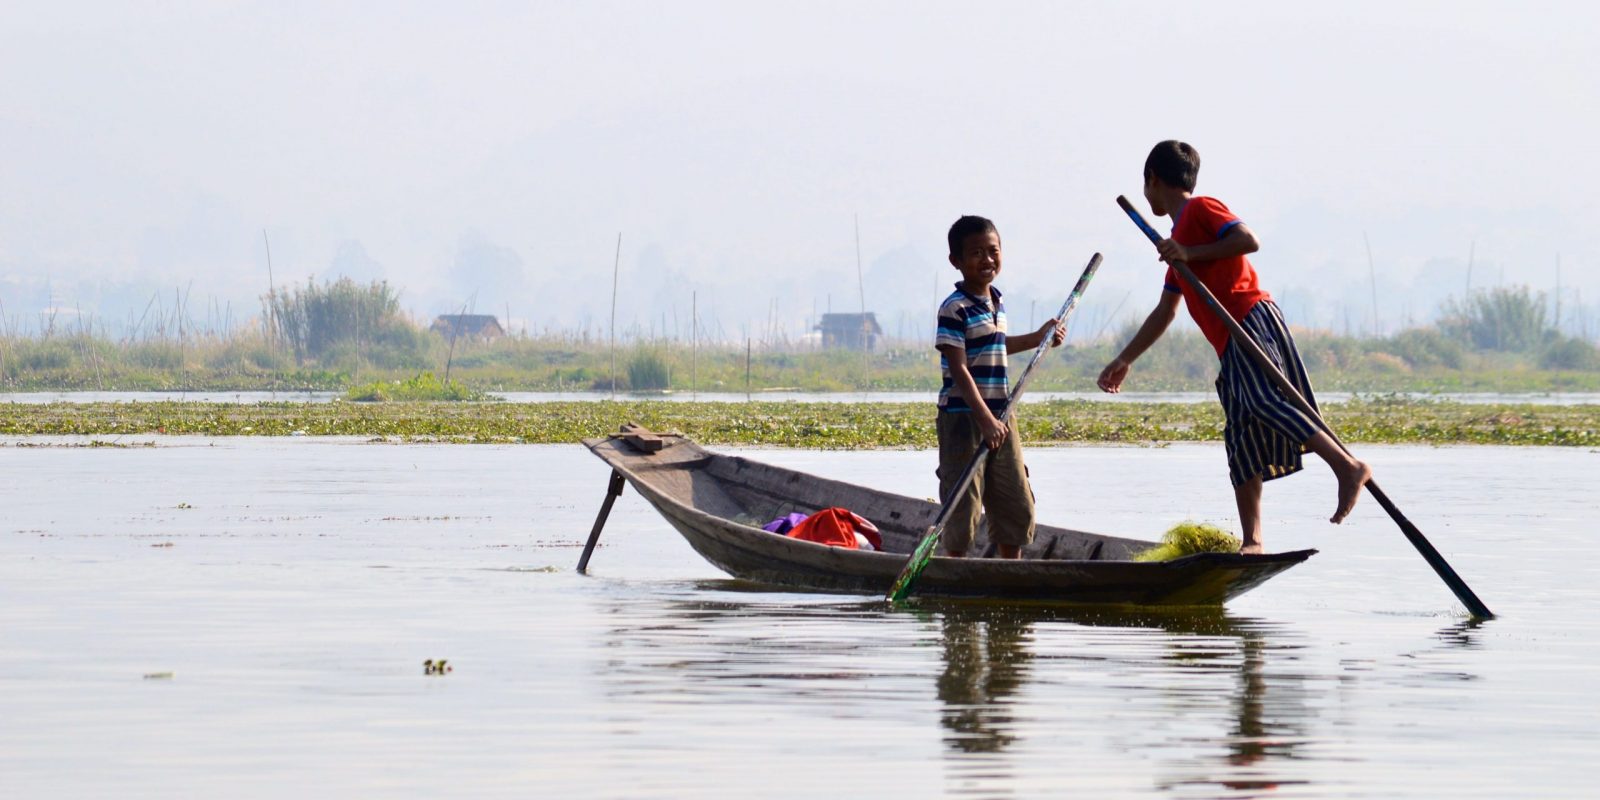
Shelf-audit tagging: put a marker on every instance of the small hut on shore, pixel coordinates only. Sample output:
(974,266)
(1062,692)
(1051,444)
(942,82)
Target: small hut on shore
(851,331)
(476,327)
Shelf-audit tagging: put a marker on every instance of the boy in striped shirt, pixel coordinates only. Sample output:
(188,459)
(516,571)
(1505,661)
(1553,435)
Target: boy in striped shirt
(972,346)
(1266,434)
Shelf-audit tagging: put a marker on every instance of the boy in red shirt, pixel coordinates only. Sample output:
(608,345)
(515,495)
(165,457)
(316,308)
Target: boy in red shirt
(1265,433)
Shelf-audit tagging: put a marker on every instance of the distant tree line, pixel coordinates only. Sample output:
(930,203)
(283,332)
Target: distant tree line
(336,334)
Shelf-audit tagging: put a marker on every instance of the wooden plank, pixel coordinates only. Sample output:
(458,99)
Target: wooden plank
(640,438)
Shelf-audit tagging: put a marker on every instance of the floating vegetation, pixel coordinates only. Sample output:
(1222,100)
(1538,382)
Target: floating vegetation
(440,667)
(91,444)
(843,426)
(1188,538)
(424,386)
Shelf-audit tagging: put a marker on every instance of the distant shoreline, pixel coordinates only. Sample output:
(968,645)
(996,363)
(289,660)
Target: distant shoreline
(790,424)
(788,395)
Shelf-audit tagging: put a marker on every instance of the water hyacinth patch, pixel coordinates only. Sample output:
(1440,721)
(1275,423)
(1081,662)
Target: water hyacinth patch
(1189,538)
(423,386)
(828,426)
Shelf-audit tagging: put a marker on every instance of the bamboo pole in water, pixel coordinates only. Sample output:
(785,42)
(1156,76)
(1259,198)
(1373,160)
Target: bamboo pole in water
(1558,292)
(1372,271)
(272,300)
(615,269)
(861,287)
(451,356)
(694,352)
(358,339)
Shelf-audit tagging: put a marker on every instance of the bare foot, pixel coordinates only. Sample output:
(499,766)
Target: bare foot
(1251,549)
(1350,482)
(1009,551)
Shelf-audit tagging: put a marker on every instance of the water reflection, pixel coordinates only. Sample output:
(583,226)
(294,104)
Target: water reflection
(1211,701)
(702,648)
(985,653)
(1252,741)
(1463,634)
(988,656)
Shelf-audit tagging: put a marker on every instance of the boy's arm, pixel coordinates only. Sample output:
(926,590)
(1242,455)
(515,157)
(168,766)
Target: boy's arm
(1154,325)
(992,430)
(1239,241)
(1053,328)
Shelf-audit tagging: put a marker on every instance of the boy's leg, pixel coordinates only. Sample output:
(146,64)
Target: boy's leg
(1352,474)
(1007,497)
(958,441)
(1248,496)
(1275,431)
(1250,452)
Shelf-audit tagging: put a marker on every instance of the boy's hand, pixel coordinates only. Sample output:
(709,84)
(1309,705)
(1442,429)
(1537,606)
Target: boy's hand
(1113,375)
(1053,332)
(1172,251)
(992,430)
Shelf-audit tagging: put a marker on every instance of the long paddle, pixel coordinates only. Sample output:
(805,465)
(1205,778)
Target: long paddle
(1240,336)
(924,552)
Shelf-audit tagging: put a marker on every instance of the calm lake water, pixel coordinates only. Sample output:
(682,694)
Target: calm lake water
(249,618)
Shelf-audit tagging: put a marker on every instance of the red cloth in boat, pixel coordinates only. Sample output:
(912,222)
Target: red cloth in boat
(837,527)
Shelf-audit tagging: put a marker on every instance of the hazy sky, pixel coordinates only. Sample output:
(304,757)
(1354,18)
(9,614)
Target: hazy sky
(492,152)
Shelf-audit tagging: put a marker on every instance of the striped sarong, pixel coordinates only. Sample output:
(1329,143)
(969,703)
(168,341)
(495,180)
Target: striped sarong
(1265,434)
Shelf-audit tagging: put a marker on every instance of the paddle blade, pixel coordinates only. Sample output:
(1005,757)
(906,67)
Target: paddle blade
(919,561)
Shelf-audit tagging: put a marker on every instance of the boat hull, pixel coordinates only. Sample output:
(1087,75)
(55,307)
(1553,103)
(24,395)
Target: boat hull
(716,502)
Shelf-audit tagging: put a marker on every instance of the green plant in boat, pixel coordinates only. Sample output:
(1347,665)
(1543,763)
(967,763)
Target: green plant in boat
(1188,538)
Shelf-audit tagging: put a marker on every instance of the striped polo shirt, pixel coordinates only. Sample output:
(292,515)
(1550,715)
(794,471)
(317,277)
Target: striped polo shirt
(973,324)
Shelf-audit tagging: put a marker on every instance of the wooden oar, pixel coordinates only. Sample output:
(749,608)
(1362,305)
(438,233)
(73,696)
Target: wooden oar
(924,552)
(1242,338)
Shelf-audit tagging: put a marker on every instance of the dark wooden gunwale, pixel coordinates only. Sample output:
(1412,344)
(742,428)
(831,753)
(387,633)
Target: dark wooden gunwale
(718,501)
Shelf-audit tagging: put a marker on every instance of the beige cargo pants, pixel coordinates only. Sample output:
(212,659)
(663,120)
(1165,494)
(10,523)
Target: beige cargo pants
(1001,483)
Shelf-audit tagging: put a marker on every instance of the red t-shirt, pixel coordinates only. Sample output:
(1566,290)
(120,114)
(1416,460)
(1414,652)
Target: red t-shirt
(1204,220)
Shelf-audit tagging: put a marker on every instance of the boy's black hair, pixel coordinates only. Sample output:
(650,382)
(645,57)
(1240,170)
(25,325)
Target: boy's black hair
(968,225)
(1174,163)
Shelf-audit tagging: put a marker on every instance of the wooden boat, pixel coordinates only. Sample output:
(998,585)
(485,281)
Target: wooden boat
(718,502)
